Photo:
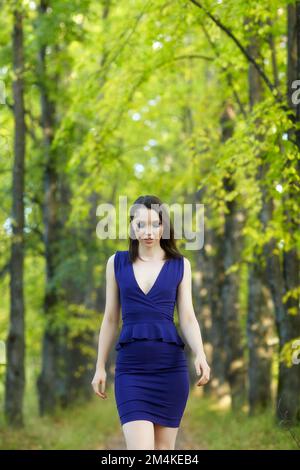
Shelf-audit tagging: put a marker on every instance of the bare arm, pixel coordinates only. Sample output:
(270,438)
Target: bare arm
(109,327)
(189,323)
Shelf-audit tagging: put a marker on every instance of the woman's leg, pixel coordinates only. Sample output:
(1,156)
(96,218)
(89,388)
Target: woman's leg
(139,435)
(164,437)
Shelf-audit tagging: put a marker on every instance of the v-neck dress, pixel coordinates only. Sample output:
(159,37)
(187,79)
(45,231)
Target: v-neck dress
(151,375)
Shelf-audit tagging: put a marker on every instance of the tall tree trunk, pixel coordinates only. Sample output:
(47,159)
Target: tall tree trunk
(232,337)
(212,282)
(210,264)
(286,273)
(259,316)
(52,379)
(259,327)
(15,372)
(80,364)
(203,283)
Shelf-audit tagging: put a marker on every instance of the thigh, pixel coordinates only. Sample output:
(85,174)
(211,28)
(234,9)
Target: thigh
(165,437)
(151,382)
(139,434)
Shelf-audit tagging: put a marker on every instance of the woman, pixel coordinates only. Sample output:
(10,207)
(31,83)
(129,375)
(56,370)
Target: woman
(151,375)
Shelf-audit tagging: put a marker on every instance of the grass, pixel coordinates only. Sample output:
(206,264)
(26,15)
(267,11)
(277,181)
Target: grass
(82,426)
(215,426)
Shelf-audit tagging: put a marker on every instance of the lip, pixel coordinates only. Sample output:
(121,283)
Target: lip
(149,240)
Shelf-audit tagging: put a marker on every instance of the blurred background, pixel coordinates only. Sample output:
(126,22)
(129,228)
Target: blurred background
(195,102)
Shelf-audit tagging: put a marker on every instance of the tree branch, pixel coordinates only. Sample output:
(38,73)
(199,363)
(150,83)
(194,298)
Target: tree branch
(229,33)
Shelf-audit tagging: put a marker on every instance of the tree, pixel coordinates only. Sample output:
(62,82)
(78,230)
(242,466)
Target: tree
(15,371)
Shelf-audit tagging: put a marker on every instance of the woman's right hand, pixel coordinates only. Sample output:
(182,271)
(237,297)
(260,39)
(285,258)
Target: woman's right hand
(99,379)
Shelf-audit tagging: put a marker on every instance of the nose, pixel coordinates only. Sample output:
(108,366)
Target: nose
(149,233)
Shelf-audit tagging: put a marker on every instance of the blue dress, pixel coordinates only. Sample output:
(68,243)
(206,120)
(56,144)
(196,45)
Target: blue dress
(151,376)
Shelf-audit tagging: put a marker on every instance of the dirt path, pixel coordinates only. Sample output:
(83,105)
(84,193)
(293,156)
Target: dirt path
(185,440)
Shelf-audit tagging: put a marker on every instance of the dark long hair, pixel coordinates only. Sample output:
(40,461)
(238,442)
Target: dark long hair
(167,244)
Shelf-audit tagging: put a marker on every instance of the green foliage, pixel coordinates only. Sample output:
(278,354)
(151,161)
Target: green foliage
(290,353)
(139,90)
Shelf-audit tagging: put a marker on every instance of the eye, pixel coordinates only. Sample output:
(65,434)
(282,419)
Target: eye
(140,225)
(156,224)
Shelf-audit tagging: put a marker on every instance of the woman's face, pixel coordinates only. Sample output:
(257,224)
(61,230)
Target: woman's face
(147,226)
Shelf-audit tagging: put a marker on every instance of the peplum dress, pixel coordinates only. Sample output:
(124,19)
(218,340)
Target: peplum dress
(151,379)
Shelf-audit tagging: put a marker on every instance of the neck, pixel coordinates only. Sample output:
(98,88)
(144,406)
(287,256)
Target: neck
(151,253)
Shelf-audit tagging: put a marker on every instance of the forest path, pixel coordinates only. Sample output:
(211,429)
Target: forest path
(185,440)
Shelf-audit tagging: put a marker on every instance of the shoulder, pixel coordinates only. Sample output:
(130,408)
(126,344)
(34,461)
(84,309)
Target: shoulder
(116,258)
(186,263)
(187,269)
(110,261)
(112,265)
(113,258)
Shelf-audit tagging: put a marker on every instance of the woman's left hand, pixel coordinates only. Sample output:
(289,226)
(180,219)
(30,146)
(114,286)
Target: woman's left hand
(203,368)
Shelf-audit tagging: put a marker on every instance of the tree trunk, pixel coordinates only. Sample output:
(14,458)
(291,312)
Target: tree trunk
(213,282)
(285,272)
(81,365)
(15,372)
(51,382)
(259,322)
(259,326)
(232,338)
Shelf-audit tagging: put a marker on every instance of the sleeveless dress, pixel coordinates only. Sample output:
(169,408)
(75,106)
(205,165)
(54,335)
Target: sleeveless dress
(151,379)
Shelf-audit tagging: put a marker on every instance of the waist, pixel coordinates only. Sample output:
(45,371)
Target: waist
(147,317)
